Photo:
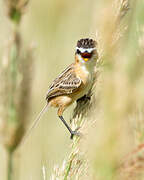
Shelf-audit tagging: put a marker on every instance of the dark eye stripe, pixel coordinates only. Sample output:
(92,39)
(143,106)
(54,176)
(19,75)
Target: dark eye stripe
(78,51)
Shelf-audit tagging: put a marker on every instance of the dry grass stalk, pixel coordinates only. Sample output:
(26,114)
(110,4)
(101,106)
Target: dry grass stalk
(132,166)
(16,84)
(122,96)
(16,71)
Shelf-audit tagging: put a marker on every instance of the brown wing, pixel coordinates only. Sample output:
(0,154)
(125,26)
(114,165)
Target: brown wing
(66,83)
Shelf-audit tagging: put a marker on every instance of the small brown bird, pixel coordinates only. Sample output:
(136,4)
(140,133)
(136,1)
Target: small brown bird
(74,82)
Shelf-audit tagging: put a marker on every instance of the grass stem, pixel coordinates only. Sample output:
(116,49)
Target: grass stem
(10,167)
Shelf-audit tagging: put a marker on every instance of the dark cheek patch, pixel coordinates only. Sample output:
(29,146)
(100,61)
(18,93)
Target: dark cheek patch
(86,55)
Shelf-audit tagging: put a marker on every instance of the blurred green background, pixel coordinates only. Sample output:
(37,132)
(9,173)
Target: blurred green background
(53,28)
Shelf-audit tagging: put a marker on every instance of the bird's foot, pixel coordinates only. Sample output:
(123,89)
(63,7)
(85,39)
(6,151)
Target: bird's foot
(84,98)
(75,132)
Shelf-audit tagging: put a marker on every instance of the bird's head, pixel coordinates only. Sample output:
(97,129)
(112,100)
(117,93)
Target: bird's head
(86,51)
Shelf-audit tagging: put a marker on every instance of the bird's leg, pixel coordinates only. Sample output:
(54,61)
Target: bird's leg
(70,130)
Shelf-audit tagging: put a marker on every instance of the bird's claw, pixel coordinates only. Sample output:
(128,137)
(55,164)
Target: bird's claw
(75,132)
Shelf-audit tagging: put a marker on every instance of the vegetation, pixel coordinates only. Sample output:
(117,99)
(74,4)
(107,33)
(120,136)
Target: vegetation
(112,121)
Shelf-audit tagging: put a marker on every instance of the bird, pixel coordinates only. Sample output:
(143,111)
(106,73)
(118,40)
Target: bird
(73,83)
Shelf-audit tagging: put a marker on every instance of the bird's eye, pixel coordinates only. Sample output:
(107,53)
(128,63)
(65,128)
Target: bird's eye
(78,51)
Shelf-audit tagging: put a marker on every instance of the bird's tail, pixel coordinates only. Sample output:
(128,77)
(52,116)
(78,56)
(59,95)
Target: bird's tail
(36,121)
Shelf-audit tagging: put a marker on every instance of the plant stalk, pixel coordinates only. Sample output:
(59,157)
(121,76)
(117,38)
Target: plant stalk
(9,165)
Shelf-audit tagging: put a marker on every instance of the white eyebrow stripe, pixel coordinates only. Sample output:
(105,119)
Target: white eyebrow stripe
(82,50)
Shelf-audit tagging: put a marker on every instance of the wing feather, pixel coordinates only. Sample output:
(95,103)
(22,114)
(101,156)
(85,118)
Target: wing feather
(66,83)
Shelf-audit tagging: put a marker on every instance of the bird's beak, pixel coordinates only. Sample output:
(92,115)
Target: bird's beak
(85,59)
